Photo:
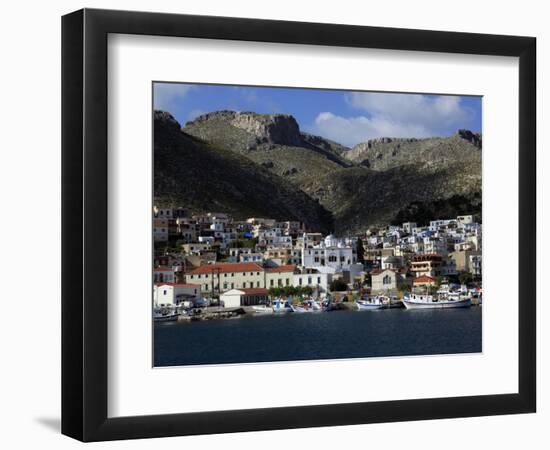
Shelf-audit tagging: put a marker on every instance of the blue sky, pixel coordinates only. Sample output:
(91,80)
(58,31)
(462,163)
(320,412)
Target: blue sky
(347,117)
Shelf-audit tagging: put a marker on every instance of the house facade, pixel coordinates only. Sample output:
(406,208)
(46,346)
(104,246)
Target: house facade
(244,297)
(221,277)
(175,294)
(387,280)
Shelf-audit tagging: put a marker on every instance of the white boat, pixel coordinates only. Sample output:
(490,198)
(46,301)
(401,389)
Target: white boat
(261,309)
(165,315)
(308,306)
(281,307)
(417,301)
(372,303)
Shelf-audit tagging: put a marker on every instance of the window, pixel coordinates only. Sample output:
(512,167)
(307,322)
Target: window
(386,279)
(164,292)
(257,284)
(318,280)
(287,282)
(300,281)
(308,280)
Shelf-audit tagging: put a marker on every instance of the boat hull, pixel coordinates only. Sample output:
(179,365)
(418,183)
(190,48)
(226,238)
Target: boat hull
(372,307)
(465,303)
(166,318)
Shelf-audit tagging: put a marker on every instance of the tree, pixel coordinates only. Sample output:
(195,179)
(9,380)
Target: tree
(465,278)
(360,251)
(338,285)
(403,287)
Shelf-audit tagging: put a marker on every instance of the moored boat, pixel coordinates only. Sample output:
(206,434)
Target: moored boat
(372,303)
(417,301)
(279,306)
(165,315)
(261,309)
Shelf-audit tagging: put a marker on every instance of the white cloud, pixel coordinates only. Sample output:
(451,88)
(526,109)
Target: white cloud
(352,130)
(167,95)
(394,115)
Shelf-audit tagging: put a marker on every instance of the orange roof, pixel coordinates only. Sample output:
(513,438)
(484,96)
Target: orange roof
(227,267)
(283,268)
(424,279)
(163,268)
(254,291)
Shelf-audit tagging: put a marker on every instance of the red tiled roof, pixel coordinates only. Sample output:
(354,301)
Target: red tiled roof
(227,267)
(424,279)
(163,268)
(283,268)
(254,291)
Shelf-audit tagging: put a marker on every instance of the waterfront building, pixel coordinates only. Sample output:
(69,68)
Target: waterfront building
(280,276)
(314,279)
(221,277)
(176,294)
(244,297)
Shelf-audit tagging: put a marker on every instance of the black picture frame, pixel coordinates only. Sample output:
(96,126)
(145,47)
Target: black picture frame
(84,224)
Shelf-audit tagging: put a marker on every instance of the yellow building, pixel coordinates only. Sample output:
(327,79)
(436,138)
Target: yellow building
(222,277)
(280,276)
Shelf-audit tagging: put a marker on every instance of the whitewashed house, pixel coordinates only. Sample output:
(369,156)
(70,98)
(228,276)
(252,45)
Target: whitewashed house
(176,294)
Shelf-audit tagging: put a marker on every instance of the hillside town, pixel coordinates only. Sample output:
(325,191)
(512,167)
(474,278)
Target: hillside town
(213,259)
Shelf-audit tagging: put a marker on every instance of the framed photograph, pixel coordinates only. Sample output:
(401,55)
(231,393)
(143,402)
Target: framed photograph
(273,225)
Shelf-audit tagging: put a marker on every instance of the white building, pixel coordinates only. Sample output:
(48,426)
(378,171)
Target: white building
(244,297)
(331,252)
(175,294)
(315,280)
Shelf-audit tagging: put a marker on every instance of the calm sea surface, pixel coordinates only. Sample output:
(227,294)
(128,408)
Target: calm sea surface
(326,335)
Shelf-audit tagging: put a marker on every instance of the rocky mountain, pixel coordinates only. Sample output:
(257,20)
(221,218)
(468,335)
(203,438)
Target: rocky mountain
(273,141)
(286,171)
(203,177)
(385,153)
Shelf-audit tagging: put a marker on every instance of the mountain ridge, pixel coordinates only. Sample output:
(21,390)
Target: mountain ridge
(373,183)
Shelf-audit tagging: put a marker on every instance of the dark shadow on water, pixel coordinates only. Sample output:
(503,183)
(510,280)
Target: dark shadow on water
(53,423)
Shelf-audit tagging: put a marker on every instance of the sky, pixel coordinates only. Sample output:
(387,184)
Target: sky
(347,117)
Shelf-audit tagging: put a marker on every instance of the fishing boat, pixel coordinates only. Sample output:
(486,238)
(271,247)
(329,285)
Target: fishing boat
(165,315)
(307,306)
(371,303)
(451,300)
(281,307)
(261,309)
